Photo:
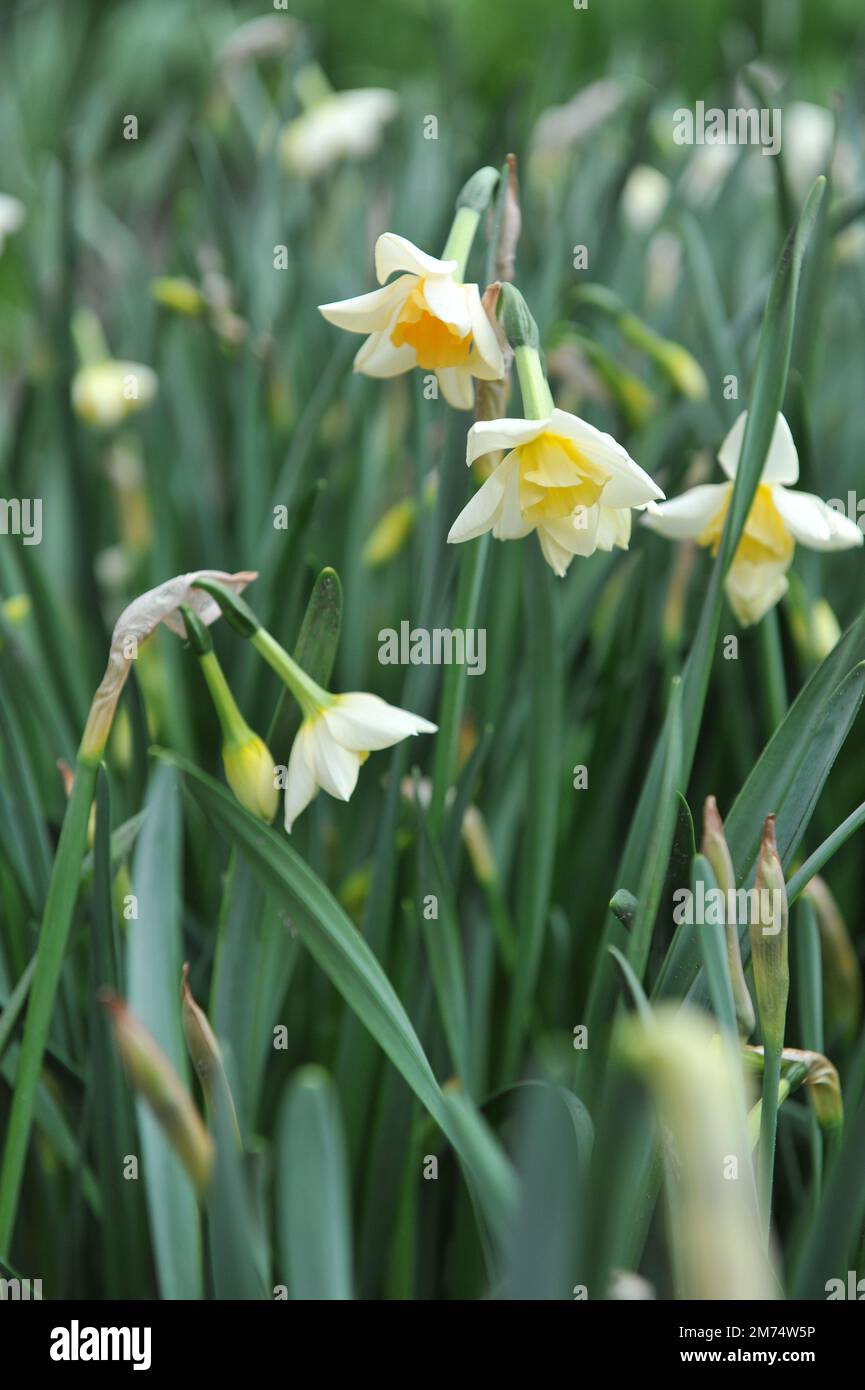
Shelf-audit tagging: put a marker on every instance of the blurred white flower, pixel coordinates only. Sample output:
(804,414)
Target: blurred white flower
(424,318)
(807,134)
(12,214)
(343,125)
(644,197)
(105,393)
(562,478)
(778,519)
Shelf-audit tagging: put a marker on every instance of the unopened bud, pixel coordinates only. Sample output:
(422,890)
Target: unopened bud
(204,1050)
(154,1078)
(769,957)
(716,850)
(842,981)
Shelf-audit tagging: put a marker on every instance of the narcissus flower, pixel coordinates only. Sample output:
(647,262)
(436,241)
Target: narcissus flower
(12,214)
(338,731)
(343,125)
(105,393)
(778,519)
(335,739)
(561,477)
(427,317)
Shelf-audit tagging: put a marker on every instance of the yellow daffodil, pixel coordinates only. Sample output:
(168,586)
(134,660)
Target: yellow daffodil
(561,477)
(424,318)
(105,393)
(428,317)
(778,519)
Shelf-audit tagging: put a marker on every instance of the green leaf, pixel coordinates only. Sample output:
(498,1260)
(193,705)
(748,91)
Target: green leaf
(154,960)
(312,1192)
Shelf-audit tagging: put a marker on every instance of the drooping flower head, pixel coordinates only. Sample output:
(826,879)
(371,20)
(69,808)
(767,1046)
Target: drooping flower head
(779,517)
(427,317)
(561,477)
(338,732)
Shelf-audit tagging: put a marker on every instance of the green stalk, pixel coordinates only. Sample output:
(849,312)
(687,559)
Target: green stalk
(54,933)
(473,562)
(768,1130)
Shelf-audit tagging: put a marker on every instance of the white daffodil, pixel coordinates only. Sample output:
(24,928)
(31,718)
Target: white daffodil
(424,318)
(778,519)
(105,393)
(335,739)
(343,125)
(12,214)
(562,478)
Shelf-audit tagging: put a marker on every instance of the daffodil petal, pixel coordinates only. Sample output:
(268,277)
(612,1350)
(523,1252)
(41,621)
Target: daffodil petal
(457,387)
(782,460)
(686,516)
(555,555)
(301,786)
(629,484)
(365,723)
(487,362)
(394,252)
(379,358)
(336,768)
(753,589)
(368,313)
(577,534)
(812,522)
(488,435)
(481,511)
(447,300)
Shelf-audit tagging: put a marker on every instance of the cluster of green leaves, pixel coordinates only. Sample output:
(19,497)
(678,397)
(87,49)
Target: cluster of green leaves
(403,1039)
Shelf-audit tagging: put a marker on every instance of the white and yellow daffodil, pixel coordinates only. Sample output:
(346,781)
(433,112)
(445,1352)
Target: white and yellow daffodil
(335,739)
(562,478)
(779,517)
(105,393)
(424,318)
(342,125)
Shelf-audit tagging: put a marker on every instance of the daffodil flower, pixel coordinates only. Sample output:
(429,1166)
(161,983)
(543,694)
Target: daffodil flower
(106,393)
(343,125)
(427,317)
(338,732)
(561,477)
(779,517)
(335,739)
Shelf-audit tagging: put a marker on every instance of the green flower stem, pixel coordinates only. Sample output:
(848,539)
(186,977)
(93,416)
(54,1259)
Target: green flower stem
(53,936)
(768,1130)
(308,694)
(537,398)
(235,730)
(461,238)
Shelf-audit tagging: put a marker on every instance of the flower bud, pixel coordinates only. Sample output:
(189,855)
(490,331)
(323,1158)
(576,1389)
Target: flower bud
(715,849)
(769,958)
(177,293)
(156,1081)
(250,772)
(204,1050)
